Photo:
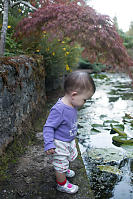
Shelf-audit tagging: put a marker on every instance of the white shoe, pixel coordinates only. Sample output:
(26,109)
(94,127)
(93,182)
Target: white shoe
(70,173)
(68,188)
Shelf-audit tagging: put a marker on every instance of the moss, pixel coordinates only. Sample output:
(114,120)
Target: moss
(9,61)
(13,152)
(16,62)
(4,72)
(4,76)
(21,142)
(110,169)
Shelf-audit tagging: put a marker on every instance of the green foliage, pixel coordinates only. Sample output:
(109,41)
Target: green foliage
(96,67)
(127,39)
(130,31)
(85,64)
(12,47)
(14,19)
(59,56)
(0,21)
(115,22)
(130,52)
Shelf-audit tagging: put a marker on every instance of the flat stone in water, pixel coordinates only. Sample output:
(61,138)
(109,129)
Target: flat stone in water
(108,154)
(110,169)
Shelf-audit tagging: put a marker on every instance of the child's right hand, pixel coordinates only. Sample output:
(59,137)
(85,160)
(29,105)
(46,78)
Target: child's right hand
(50,151)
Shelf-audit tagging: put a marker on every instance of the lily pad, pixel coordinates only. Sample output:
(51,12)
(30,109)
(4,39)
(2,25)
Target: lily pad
(103,116)
(119,140)
(110,169)
(108,122)
(97,125)
(118,129)
(100,76)
(95,130)
(128,116)
(113,99)
(80,126)
(113,92)
(118,126)
(128,119)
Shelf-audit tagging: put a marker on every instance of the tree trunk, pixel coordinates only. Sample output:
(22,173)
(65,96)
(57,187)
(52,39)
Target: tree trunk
(4,28)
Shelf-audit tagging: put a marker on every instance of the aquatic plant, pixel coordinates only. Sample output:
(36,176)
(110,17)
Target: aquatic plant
(122,137)
(119,140)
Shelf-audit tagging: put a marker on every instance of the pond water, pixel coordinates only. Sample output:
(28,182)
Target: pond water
(112,104)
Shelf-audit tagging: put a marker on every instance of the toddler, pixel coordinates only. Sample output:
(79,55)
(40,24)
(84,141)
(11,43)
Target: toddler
(60,128)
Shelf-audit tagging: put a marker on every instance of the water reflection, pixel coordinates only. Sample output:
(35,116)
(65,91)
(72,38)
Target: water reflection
(124,189)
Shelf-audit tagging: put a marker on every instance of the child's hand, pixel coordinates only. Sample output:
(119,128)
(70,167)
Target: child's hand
(50,151)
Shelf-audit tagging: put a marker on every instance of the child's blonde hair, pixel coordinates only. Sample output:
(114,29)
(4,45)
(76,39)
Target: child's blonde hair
(79,81)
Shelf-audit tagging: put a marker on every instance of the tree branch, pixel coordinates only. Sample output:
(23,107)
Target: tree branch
(23,2)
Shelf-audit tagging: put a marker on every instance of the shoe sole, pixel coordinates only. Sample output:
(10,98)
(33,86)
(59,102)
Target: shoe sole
(70,176)
(68,192)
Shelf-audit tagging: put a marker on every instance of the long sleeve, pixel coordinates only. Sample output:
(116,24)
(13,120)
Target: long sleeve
(48,134)
(53,121)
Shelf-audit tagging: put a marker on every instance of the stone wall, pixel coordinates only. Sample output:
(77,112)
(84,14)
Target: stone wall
(22,95)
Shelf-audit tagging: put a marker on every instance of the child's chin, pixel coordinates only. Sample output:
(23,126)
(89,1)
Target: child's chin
(79,106)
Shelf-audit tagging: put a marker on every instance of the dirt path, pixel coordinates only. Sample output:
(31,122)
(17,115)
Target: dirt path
(33,177)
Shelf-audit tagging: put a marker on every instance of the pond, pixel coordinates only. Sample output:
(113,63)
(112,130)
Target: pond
(109,164)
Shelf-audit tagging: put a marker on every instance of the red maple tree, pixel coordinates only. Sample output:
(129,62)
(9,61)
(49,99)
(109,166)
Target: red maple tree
(93,31)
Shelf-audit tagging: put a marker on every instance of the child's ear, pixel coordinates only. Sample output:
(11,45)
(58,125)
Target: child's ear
(74,93)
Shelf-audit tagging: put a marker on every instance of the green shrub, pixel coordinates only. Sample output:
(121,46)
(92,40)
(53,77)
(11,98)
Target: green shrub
(59,56)
(127,39)
(95,67)
(12,47)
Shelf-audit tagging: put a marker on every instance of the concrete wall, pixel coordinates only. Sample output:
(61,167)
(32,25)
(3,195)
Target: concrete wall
(22,95)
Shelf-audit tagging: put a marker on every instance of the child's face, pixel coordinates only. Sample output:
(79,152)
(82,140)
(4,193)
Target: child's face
(79,99)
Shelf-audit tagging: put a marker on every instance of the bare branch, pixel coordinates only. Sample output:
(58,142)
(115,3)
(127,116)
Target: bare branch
(22,2)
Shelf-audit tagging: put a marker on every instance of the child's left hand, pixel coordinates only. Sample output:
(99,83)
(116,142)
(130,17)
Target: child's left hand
(50,151)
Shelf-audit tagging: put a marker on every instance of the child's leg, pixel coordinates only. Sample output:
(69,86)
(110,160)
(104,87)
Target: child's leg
(60,177)
(61,165)
(73,151)
(63,184)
